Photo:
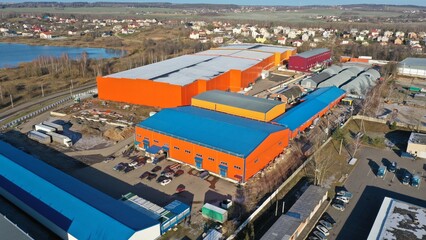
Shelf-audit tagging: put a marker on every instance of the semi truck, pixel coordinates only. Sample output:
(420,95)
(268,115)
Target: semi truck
(59,128)
(43,128)
(60,139)
(39,137)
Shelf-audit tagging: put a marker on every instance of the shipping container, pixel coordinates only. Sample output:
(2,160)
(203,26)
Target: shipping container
(60,139)
(44,128)
(58,127)
(39,137)
(214,213)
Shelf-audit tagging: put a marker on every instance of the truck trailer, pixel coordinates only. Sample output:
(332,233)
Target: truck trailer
(214,213)
(60,139)
(43,128)
(59,128)
(39,137)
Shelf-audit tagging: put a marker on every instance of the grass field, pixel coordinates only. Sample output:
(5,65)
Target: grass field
(299,16)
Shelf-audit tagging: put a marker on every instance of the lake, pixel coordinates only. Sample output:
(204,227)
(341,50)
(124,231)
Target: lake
(12,54)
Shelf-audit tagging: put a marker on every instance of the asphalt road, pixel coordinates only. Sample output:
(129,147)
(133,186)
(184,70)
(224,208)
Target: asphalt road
(17,109)
(369,191)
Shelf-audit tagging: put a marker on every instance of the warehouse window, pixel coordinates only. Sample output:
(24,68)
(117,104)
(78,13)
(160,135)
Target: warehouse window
(224,163)
(156,141)
(211,159)
(237,167)
(138,135)
(257,160)
(280,143)
(199,155)
(177,148)
(187,151)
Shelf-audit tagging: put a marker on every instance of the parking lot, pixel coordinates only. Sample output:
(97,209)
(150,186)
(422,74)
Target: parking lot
(369,191)
(117,183)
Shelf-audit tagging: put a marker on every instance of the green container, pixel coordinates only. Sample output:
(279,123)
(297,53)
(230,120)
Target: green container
(214,213)
(415,89)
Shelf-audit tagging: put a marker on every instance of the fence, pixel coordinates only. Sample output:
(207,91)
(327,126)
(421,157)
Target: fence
(82,95)
(398,124)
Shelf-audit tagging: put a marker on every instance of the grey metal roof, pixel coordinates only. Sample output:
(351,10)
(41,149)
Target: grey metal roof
(206,65)
(293,92)
(315,79)
(238,100)
(414,63)
(9,230)
(283,228)
(312,52)
(287,224)
(362,83)
(338,80)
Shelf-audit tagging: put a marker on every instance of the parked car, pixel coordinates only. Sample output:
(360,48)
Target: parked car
(110,158)
(313,238)
(339,205)
(120,166)
(343,199)
(204,174)
(139,164)
(320,235)
(381,172)
(165,181)
(133,163)
(328,218)
(156,169)
(392,167)
(180,188)
(345,194)
(144,175)
(151,176)
(178,173)
(161,178)
(128,169)
(326,224)
(406,177)
(322,229)
(415,181)
(169,174)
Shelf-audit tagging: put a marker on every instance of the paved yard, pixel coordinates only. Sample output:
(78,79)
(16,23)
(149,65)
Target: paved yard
(369,191)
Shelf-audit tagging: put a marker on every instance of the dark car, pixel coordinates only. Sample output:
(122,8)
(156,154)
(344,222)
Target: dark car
(120,167)
(145,175)
(392,167)
(178,173)
(406,177)
(128,169)
(151,176)
(204,174)
(328,218)
(161,178)
(156,169)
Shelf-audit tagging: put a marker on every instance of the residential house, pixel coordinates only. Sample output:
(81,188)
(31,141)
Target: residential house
(261,38)
(46,35)
(398,41)
(305,37)
(194,36)
(282,40)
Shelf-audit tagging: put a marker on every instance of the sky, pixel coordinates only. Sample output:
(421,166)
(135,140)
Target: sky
(256,2)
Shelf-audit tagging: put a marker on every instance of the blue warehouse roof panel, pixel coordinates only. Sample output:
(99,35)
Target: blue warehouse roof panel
(73,206)
(227,133)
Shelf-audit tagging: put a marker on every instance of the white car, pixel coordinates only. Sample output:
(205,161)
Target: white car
(323,230)
(326,224)
(133,164)
(165,182)
(343,199)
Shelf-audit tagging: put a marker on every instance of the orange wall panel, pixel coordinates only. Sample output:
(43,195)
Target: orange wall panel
(142,92)
(266,152)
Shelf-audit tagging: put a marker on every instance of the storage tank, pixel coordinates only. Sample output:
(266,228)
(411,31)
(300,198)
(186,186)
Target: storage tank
(39,137)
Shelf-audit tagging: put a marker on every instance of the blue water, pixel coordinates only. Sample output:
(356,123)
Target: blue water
(12,54)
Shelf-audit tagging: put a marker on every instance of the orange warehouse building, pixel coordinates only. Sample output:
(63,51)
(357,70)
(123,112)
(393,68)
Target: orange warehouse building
(230,146)
(175,81)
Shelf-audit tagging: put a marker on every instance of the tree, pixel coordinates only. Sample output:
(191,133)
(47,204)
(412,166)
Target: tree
(319,166)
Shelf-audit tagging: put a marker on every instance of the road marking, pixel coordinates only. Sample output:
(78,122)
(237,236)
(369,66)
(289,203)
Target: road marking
(393,178)
(369,172)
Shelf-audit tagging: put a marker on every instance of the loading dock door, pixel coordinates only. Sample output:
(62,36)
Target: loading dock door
(198,162)
(145,143)
(223,170)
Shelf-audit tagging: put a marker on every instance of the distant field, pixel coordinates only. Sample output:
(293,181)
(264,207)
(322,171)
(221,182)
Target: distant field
(299,16)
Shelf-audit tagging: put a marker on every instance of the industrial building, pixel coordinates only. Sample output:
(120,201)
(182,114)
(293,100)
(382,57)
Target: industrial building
(175,81)
(288,226)
(399,220)
(303,62)
(360,85)
(229,146)
(314,105)
(10,230)
(66,206)
(417,145)
(239,105)
(287,95)
(313,80)
(415,67)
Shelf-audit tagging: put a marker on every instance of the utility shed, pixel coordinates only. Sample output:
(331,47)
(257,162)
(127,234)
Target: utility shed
(68,207)
(314,105)
(413,67)
(240,105)
(291,224)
